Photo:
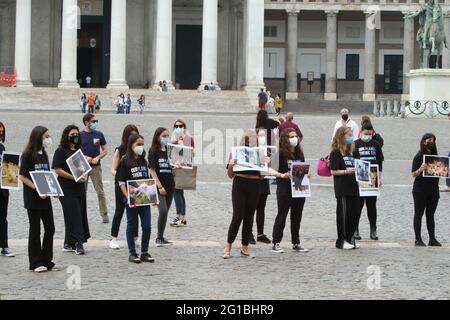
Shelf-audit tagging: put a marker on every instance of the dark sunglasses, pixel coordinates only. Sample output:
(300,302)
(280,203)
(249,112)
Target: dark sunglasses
(179,126)
(94,121)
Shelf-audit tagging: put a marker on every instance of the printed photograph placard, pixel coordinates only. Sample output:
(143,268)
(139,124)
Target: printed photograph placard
(438,166)
(362,171)
(10,170)
(46,184)
(249,159)
(180,156)
(78,165)
(300,183)
(142,192)
(371,189)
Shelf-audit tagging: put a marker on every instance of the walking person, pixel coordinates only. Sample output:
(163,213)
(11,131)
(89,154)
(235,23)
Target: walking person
(91,103)
(119,153)
(262,99)
(425,192)
(133,166)
(278,104)
(35,158)
(345,188)
(120,104)
(95,148)
(127,104)
(74,201)
(180,136)
(141,102)
(4,201)
(98,104)
(161,172)
(367,149)
(83,101)
(290,151)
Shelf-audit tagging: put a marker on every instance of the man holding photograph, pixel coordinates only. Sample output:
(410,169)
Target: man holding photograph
(95,148)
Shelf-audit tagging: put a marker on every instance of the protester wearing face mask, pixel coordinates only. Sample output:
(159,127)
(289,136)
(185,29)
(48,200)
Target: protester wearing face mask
(95,148)
(35,158)
(180,136)
(425,192)
(375,135)
(345,188)
(74,201)
(367,149)
(133,166)
(345,121)
(161,172)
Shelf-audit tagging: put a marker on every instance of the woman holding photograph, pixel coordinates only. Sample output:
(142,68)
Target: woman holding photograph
(74,201)
(119,153)
(425,192)
(180,136)
(4,201)
(345,188)
(35,158)
(161,172)
(133,166)
(290,151)
(245,196)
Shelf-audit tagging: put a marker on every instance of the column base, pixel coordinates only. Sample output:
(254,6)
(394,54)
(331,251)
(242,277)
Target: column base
(68,84)
(253,86)
(117,85)
(370,97)
(169,85)
(330,96)
(24,84)
(291,95)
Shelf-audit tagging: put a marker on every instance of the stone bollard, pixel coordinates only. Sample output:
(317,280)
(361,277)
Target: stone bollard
(382,108)
(390,110)
(403,110)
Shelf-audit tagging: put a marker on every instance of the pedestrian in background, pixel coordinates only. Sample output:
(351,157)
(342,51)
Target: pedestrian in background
(141,102)
(83,101)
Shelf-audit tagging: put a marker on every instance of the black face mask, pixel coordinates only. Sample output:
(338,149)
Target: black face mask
(345,117)
(430,146)
(74,139)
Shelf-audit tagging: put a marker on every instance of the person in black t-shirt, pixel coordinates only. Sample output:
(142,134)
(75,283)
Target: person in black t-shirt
(35,158)
(425,191)
(133,166)
(161,171)
(345,188)
(119,153)
(290,150)
(74,201)
(367,149)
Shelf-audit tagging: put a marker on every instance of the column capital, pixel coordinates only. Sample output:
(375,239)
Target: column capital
(292,11)
(331,13)
(369,12)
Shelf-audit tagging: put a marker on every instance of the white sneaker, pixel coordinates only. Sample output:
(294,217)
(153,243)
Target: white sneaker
(277,248)
(6,252)
(113,244)
(357,245)
(347,246)
(40,269)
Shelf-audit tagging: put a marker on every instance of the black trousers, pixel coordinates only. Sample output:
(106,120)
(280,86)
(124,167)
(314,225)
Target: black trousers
(425,203)
(41,255)
(245,196)
(75,219)
(286,203)
(261,213)
(371,204)
(4,199)
(118,214)
(347,217)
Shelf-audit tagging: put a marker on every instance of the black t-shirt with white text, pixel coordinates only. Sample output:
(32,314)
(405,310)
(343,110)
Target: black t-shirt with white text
(369,151)
(138,171)
(159,161)
(345,185)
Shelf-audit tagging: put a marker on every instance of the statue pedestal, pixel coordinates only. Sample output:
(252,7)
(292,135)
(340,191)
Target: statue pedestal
(430,87)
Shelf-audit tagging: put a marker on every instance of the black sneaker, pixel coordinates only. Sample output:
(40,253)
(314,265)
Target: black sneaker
(252,240)
(163,242)
(277,248)
(299,248)
(146,257)
(420,243)
(68,248)
(79,250)
(263,238)
(134,258)
(434,243)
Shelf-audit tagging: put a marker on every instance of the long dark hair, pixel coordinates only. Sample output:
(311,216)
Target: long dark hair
(285,147)
(127,133)
(261,118)
(129,157)
(423,149)
(156,144)
(4,132)
(35,142)
(65,137)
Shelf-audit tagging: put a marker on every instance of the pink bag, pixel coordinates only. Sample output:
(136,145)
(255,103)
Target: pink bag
(323,167)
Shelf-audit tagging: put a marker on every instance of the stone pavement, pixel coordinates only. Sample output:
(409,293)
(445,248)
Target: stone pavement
(193,268)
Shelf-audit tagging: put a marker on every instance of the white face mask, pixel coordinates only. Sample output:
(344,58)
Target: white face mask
(261,141)
(47,143)
(293,141)
(139,150)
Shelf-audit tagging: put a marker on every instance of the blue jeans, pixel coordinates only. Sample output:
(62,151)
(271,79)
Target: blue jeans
(142,107)
(132,215)
(180,202)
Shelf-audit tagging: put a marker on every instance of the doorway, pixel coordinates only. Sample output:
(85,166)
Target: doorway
(393,74)
(188,60)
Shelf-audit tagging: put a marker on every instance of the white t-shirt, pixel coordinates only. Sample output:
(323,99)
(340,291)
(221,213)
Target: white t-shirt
(88,80)
(349,123)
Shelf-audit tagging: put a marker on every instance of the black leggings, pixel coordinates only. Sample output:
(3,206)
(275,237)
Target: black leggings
(118,214)
(371,204)
(286,202)
(4,199)
(347,217)
(245,196)
(41,255)
(424,203)
(261,213)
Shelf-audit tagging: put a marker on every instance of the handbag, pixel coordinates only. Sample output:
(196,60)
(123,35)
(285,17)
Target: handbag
(186,179)
(323,167)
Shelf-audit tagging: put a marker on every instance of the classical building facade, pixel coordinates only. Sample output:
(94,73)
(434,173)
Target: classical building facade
(334,47)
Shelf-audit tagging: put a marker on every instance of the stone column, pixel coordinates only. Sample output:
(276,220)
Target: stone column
(117,77)
(446,52)
(23,43)
(408,53)
(369,59)
(69,45)
(209,44)
(163,45)
(330,80)
(292,54)
(254,45)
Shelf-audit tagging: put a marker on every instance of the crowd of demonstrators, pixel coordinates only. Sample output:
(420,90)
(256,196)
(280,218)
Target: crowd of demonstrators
(90,103)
